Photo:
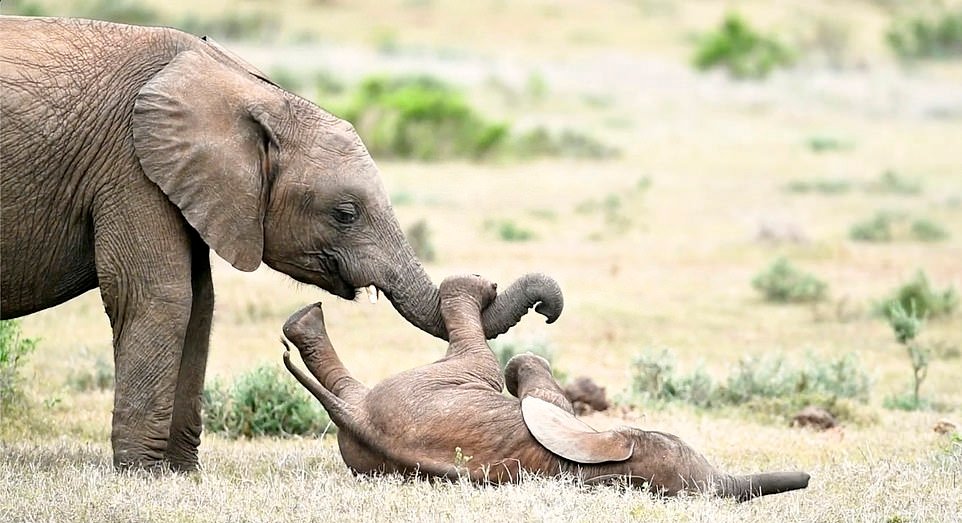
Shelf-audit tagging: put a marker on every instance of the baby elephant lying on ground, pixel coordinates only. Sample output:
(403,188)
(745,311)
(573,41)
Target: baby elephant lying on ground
(450,419)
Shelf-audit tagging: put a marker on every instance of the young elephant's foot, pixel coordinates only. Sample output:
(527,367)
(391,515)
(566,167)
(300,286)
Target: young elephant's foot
(305,328)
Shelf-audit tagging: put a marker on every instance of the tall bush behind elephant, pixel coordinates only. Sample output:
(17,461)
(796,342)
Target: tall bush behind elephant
(130,152)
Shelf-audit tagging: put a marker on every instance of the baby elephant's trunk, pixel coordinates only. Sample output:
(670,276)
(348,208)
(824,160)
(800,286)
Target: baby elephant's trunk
(744,488)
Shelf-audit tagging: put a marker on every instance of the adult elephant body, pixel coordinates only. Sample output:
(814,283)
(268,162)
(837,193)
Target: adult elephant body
(127,153)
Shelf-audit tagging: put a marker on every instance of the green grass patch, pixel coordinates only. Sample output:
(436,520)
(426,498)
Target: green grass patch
(741,50)
(782,282)
(264,402)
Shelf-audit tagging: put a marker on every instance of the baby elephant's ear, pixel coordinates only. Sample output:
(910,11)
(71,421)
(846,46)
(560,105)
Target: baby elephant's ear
(572,439)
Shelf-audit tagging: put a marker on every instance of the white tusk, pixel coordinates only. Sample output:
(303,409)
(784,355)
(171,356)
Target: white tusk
(372,294)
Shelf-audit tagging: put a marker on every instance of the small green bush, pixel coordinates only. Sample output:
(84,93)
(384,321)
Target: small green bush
(925,230)
(887,226)
(820,186)
(876,229)
(741,50)
(917,295)
(420,118)
(14,350)
(264,402)
(782,282)
(419,236)
(938,35)
(509,231)
(768,385)
(822,143)
(891,182)
(568,144)
(654,379)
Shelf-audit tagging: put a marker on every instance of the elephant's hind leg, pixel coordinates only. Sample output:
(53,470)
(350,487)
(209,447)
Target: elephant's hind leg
(305,328)
(530,375)
(186,424)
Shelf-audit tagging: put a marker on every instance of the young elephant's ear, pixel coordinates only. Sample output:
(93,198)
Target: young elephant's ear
(202,132)
(572,439)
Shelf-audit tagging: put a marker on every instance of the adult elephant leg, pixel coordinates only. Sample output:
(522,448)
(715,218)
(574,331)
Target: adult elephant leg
(186,424)
(143,267)
(530,375)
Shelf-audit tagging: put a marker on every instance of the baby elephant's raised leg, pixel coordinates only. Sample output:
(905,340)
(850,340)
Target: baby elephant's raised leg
(530,375)
(305,328)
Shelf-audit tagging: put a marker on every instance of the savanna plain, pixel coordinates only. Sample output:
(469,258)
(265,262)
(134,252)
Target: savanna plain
(681,188)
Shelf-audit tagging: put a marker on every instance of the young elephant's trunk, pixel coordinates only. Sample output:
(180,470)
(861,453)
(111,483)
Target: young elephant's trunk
(744,488)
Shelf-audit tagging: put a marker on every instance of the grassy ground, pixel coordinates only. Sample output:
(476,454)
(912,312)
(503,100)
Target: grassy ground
(704,166)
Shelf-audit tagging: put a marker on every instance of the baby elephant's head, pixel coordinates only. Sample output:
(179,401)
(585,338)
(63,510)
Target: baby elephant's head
(456,289)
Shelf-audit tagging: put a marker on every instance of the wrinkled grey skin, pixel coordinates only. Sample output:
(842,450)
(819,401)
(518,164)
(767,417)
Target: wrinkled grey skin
(416,422)
(128,153)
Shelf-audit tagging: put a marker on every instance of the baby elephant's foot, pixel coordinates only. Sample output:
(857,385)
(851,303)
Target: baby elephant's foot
(468,285)
(306,326)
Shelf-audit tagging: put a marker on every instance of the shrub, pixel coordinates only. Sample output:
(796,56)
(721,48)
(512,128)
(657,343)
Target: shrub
(921,37)
(568,144)
(263,402)
(14,350)
(891,182)
(233,24)
(769,385)
(876,229)
(918,296)
(653,378)
(420,118)
(927,231)
(782,282)
(419,236)
(888,226)
(821,143)
(906,324)
(509,231)
(821,186)
(742,51)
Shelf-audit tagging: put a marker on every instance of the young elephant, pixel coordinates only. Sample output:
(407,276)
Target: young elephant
(450,419)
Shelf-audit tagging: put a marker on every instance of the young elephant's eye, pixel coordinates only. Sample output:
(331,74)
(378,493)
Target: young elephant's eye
(346,213)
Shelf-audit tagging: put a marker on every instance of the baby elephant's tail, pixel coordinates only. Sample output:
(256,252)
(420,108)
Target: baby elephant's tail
(744,488)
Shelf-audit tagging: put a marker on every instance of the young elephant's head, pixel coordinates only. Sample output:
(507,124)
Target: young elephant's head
(264,175)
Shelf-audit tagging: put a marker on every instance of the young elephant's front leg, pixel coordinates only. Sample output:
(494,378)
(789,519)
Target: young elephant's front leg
(305,328)
(530,375)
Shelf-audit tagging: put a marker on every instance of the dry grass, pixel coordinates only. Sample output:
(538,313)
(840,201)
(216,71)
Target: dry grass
(718,155)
